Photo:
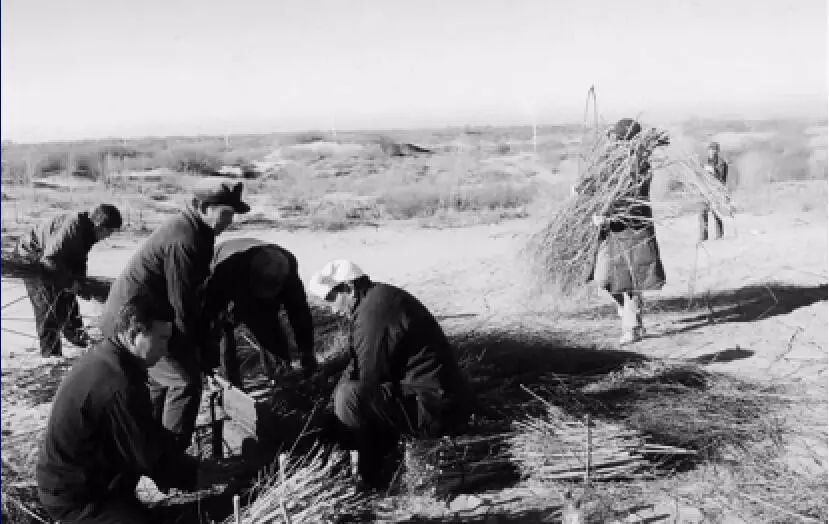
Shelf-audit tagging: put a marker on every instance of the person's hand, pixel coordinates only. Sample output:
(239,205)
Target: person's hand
(213,383)
(309,364)
(598,220)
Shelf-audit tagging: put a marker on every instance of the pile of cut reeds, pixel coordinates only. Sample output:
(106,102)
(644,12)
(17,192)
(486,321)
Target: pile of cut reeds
(317,487)
(448,465)
(562,253)
(558,447)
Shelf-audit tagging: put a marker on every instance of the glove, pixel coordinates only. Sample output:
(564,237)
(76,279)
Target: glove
(309,364)
(598,220)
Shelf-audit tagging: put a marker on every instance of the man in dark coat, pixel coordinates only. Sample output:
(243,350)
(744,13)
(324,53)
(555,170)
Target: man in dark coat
(101,436)
(249,283)
(402,379)
(628,261)
(172,266)
(60,247)
(715,165)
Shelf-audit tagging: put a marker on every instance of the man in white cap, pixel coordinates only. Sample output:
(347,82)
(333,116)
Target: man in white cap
(171,266)
(250,282)
(403,378)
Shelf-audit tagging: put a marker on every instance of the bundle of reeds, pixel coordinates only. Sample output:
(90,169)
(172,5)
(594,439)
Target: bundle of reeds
(16,266)
(557,447)
(315,488)
(448,465)
(611,179)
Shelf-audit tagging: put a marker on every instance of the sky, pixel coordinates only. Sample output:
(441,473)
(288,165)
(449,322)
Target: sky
(118,68)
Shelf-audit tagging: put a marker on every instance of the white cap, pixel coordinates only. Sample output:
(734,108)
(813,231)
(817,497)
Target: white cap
(332,274)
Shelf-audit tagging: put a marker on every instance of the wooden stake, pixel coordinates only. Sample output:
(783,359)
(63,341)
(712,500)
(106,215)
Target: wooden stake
(283,465)
(237,514)
(355,461)
(588,450)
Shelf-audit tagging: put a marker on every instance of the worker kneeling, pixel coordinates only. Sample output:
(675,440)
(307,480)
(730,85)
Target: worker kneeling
(102,437)
(402,379)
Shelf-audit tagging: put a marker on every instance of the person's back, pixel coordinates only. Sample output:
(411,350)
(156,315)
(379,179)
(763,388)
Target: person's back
(398,340)
(61,243)
(250,282)
(181,242)
(231,268)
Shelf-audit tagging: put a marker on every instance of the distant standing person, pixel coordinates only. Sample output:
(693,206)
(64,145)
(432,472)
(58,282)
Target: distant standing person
(60,247)
(715,165)
(172,266)
(250,282)
(628,262)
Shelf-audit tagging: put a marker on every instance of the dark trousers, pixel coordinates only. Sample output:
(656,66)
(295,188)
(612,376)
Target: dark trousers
(373,420)
(56,311)
(271,339)
(703,225)
(175,391)
(122,509)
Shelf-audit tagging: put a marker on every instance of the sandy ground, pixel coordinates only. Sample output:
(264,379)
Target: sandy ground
(472,279)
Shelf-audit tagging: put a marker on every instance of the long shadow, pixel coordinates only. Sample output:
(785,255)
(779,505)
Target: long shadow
(745,304)
(498,363)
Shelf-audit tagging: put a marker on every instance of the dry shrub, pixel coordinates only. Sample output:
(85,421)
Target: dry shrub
(418,200)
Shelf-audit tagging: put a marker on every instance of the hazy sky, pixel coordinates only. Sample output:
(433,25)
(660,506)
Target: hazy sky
(92,68)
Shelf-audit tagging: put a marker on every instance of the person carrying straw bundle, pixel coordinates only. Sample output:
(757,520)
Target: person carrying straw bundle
(58,249)
(627,261)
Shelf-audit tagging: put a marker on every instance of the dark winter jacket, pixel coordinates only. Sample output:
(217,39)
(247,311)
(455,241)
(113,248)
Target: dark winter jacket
(61,245)
(396,340)
(229,283)
(171,266)
(101,436)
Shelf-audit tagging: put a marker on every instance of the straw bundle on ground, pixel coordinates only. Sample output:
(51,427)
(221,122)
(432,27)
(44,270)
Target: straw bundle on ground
(456,464)
(557,447)
(610,184)
(315,488)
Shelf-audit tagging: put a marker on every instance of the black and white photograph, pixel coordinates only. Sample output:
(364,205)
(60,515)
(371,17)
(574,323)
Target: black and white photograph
(448,261)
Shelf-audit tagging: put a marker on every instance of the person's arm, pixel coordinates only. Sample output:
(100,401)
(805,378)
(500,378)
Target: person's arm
(296,306)
(142,443)
(186,270)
